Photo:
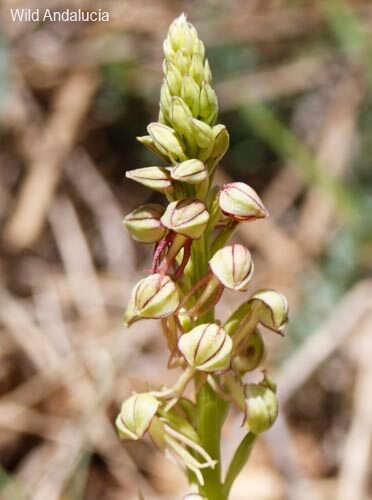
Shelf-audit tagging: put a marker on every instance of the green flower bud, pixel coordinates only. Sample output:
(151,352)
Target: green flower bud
(261,407)
(157,178)
(168,50)
(165,99)
(252,356)
(154,297)
(174,78)
(190,171)
(208,104)
(144,223)
(179,117)
(221,141)
(199,49)
(271,308)
(148,142)
(187,217)
(202,133)
(183,61)
(206,348)
(182,34)
(240,202)
(166,141)
(136,415)
(197,69)
(190,93)
(207,72)
(233,267)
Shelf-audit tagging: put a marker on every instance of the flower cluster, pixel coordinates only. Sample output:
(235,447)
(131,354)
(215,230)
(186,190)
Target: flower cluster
(193,264)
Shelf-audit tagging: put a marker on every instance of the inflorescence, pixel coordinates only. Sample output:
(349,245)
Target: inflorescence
(193,263)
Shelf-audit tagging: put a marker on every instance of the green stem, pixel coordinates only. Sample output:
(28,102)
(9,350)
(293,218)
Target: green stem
(198,257)
(211,409)
(212,412)
(239,460)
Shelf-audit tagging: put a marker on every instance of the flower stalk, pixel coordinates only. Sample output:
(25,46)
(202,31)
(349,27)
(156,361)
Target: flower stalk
(193,263)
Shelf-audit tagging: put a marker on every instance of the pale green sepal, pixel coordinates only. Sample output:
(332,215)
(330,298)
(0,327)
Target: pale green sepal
(221,141)
(166,141)
(190,171)
(136,415)
(182,61)
(149,143)
(197,69)
(202,133)
(144,223)
(190,93)
(187,217)
(179,117)
(261,408)
(207,348)
(271,309)
(156,178)
(154,297)
(241,202)
(233,267)
(207,72)
(208,104)
(165,100)
(174,78)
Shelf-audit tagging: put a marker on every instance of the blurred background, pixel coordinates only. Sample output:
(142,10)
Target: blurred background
(294,79)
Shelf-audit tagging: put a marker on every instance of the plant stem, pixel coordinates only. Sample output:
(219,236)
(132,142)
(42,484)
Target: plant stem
(211,409)
(211,415)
